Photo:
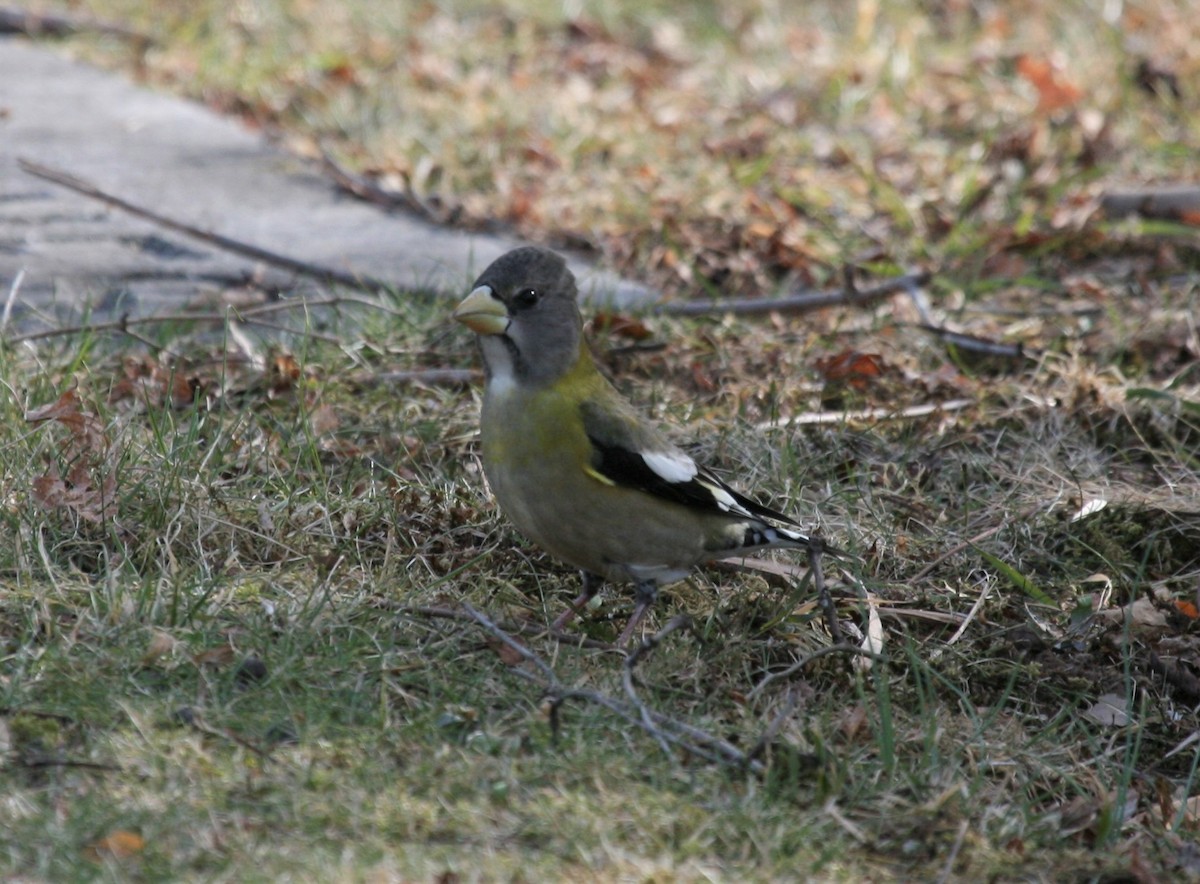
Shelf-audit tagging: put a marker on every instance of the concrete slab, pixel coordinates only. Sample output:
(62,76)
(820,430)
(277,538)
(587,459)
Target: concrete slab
(186,162)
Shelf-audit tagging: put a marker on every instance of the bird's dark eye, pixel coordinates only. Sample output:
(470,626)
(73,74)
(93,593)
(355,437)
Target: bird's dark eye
(526,298)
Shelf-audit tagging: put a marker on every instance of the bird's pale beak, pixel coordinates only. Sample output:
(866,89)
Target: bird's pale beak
(482,312)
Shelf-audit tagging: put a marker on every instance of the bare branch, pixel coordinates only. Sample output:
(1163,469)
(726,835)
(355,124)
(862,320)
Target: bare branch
(681,621)
(664,729)
(314,271)
(372,193)
(801,302)
(809,658)
(36,24)
(526,654)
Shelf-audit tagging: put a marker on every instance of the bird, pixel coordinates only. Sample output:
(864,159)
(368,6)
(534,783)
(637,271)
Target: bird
(576,467)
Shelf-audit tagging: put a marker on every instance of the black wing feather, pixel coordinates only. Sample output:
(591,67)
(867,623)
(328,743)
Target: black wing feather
(628,468)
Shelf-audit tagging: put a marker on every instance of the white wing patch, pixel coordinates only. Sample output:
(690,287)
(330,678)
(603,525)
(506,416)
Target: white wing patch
(724,499)
(671,466)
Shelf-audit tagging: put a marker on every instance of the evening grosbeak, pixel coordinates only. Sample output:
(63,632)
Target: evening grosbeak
(574,466)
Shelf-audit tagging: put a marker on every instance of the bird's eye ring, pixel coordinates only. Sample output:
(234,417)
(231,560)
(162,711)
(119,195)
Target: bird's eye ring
(526,298)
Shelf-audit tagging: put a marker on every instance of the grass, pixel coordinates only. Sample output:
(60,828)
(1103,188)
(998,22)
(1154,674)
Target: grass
(238,653)
(218,659)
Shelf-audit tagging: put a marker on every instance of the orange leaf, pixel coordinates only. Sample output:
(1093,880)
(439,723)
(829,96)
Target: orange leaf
(1187,609)
(283,372)
(621,325)
(851,367)
(1054,92)
(118,844)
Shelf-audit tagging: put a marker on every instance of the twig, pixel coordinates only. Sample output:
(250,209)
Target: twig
(801,302)
(526,654)
(193,721)
(373,193)
(809,658)
(775,725)
(966,544)
(1173,202)
(438,376)
(35,763)
(975,609)
(568,638)
(314,271)
(249,315)
(948,868)
(866,414)
(34,24)
(680,621)
(662,727)
(978,346)
(37,713)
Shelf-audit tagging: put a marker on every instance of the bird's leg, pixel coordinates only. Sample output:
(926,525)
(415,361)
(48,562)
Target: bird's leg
(645,592)
(816,547)
(591,586)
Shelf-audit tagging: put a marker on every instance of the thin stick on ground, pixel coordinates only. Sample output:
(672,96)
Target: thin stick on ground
(801,302)
(663,728)
(37,24)
(967,544)
(313,271)
(681,621)
(370,192)
(809,658)
(568,639)
(246,315)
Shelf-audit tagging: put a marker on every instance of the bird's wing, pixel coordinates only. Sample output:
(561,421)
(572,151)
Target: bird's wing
(628,453)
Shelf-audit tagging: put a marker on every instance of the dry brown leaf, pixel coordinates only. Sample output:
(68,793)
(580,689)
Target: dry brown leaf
(850,367)
(508,655)
(221,655)
(118,844)
(77,493)
(283,372)
(87,435)
(324,419)
(161,643)
(620,325)
(1054,91)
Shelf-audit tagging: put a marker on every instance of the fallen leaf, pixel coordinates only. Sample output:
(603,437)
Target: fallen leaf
(87,435)
(118,844)
(872,642)
(221,655)
(620,325)
(1108,711)
(1187,609)
(1054,91)
(324,419)
(283,372)
(1145,619)
(508,655)
(78,493)
(851,367)
(1089,508)
(161,644)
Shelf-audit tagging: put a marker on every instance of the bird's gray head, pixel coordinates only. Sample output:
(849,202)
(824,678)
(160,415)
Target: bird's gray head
(524,309)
